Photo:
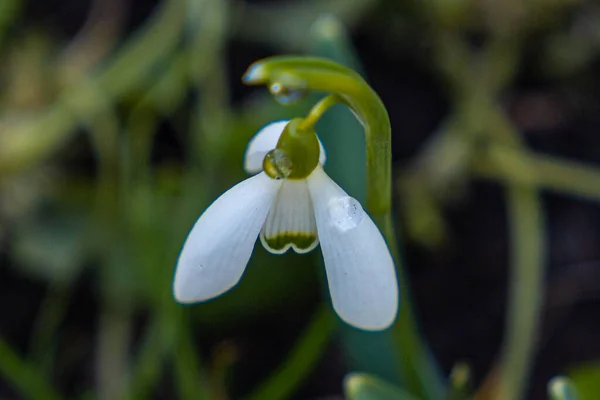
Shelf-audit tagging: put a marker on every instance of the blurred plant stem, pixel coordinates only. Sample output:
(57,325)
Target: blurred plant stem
(191,380)
(284,25)
(526,289)
(24,376)
(526,283)
(208,24)
(476,78)
(302,359)
(9,10)
(359,386)
(32,140)
(460,383)
(97,37)
(147,367)
(113,190)
(548,172)
(113,348)
(418,369)
(50,316)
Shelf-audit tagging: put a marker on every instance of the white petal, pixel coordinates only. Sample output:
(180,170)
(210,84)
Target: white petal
(360,270)
(264,141)
(219,246)
(322,153)
(291,221)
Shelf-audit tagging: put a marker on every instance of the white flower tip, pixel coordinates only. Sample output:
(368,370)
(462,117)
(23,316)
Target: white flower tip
(377,317)
(360,269)
(182,295)
(219,246)
(189,287)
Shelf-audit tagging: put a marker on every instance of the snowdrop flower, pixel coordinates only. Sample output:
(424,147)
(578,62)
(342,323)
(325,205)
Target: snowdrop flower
(291,203)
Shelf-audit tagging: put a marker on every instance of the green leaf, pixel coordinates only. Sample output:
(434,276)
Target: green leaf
(301,360)
(359,386)
(586,378)
(52,248)
(284,26)
(460,383)
(23,376)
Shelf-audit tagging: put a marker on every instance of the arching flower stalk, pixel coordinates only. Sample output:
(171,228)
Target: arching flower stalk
(355,271)
(291,203)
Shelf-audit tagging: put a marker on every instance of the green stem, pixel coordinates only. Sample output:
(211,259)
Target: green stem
(51,315)
(291,75)
(568,177)
(190,377)
(315,113)
(359,386)
(113,338)
(526,288)
(302,359)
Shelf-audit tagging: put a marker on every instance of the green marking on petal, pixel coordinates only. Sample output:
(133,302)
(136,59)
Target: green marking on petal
(301,242)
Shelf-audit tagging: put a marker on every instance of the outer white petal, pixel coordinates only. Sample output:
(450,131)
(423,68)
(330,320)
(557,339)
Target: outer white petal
(264,141)
(219,246)
(291,221)
(360,270)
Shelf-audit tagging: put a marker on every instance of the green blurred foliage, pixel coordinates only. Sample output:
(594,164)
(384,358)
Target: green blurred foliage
(358,386)
(585,379)
(123,217)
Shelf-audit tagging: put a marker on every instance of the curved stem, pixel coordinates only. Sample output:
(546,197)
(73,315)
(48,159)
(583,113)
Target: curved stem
(289,74)
(304,73)
(315,113)
(526,290)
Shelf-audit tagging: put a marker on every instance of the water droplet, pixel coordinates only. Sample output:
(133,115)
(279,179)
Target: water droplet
(286,95)
(345,212)
(277,164)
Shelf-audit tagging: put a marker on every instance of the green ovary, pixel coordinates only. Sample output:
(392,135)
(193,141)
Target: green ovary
(299,241)
(296,155)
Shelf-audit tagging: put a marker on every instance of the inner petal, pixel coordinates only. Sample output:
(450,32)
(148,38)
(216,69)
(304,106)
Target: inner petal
(291,220)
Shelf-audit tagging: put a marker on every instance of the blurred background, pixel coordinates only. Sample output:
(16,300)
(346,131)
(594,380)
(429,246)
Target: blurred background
(122,120)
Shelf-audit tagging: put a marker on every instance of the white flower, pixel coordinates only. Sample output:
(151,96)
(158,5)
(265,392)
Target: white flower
(295,214)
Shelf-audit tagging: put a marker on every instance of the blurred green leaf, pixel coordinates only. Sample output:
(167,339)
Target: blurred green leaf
(284,25)
(9,9)
(301,360)
(23,376)
(460,383)
(586,379)
(52,248)
(359,386)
